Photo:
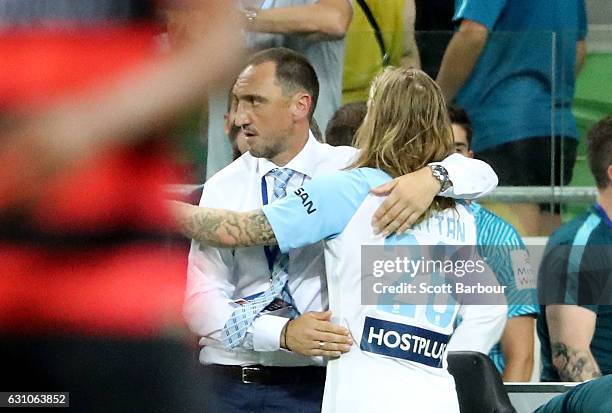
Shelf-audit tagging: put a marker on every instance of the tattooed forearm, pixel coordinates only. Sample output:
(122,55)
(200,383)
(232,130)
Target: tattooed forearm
(222,228)
(573,364)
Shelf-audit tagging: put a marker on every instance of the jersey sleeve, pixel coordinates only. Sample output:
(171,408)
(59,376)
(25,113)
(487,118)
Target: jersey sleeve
(522,310)
(485,12)
(552,275)
(320,209)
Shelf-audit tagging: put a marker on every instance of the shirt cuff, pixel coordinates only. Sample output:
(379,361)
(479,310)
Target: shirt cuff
(471,178)
(266,332)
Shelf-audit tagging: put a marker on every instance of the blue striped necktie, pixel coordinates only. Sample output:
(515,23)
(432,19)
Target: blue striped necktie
(242,317)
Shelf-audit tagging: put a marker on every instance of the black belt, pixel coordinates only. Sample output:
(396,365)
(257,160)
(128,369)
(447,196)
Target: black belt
(270,375)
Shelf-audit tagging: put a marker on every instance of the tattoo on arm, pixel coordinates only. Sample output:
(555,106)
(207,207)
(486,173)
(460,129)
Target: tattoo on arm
(222,228)
(573,364)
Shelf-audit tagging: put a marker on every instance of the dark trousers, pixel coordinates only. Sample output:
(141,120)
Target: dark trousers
(229,394)
(529,162)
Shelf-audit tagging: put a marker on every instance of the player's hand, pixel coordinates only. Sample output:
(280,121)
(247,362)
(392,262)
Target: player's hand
(312,334)
(409,196)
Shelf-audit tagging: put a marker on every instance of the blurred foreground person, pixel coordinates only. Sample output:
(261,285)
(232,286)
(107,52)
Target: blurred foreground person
(91,288)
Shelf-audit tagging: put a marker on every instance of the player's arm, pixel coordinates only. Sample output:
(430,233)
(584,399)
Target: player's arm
(461,56)
(581,49)
(209,293)
(210,302)
(517,346)
(410,195)
(320,209)
(481,327)
(410,53)
(327,19)
(571,330)
(476,19)
(223,228)
(517,340)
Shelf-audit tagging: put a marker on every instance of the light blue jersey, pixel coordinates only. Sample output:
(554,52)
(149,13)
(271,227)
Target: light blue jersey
(501,245)
(322,208)
(398,359)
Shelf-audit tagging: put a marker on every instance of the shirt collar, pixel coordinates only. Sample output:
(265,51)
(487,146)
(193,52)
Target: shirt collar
(604,216)
(304,162)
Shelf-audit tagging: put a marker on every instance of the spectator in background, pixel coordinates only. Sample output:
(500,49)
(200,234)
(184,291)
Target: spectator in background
(314,28)
(234,134)
(502,65)
(575,322)
(343,125)
(366,55)
(316,130)
(503,249)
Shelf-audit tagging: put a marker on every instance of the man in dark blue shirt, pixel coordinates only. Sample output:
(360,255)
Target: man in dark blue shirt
(577,272)
(575,281)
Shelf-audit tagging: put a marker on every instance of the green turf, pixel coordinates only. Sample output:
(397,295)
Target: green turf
(593,101)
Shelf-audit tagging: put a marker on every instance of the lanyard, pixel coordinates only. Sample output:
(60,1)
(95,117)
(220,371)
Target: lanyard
(271,252)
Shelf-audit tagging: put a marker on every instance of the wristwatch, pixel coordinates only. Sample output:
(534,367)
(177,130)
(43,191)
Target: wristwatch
(251,15)
(441,174)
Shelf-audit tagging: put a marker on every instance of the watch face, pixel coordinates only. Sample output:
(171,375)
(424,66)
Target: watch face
(440,174)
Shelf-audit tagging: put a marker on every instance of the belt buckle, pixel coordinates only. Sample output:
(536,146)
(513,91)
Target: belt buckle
(245,380)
